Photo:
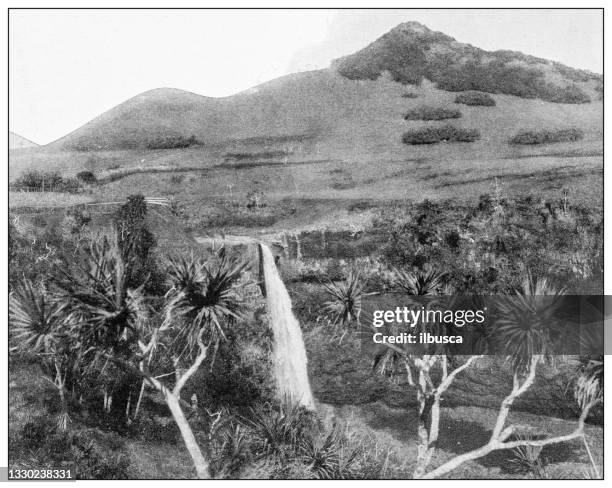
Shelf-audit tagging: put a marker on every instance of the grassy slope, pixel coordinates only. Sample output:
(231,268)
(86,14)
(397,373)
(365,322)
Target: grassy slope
(345,116)
(19,142)
(392,431)
(389,432)
(355,150)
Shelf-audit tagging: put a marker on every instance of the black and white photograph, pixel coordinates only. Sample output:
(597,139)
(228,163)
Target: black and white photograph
(304,243)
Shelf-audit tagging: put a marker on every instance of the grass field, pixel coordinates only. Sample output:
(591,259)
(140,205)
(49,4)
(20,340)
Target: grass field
(387,433)
(45,199)
(356,154)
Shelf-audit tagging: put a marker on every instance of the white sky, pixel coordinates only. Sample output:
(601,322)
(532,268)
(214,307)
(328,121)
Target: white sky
(67,66)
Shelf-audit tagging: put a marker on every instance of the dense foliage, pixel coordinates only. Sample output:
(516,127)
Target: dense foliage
(172,142)
(444,133)
(411,52)
(475,98)
(547,136)
(34,180)
(425,112)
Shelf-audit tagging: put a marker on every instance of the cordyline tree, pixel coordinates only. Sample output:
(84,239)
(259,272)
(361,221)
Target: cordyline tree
(40,326)
(166,350)
(96,316)
(522,332)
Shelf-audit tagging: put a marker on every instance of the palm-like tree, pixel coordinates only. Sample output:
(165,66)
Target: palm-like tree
(113,320)
(203,299)
(185,273)
(427,282)
(205,295)
(108,314)
(526,322)
(41,325)
(345,303)
(588,387)
(38,323)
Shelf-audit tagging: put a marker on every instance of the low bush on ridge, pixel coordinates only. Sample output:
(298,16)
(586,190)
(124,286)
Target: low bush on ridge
(446,133)
(172,142)
(475,98)
(546,136)
(425,112)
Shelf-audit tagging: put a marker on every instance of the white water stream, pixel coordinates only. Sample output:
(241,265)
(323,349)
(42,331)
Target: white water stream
(289,353)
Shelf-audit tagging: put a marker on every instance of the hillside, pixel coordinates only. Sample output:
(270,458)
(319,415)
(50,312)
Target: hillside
(411,52)
(18,142)
(351,104)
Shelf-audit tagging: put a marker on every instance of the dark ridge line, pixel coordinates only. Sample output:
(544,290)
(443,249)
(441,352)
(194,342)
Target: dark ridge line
(521,176)
(557,155)
(119,175)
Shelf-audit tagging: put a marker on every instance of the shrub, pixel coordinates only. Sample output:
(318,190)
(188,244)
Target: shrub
(77,218)
(256,199)
(87,177)
(499,77)
(546,136)
(567,94)
(46,181)
(433,135)
(172,142)
(291,443)
(425,112)
(410,95)
(93,458)
(600,90)
(95,461)
(475,98)
(177,179)
(136,241)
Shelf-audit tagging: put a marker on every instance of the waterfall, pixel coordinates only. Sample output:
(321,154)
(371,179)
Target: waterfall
(289,351)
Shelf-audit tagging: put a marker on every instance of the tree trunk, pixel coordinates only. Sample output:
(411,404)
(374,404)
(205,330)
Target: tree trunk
(199,461)
(60,384)
(424,423)
(424,451)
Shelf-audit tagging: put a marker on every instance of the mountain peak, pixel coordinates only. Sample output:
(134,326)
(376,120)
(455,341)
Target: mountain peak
(412,26)
(411,52)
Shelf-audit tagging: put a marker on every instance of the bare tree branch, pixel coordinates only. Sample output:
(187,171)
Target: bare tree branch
(180,381)
(500,433)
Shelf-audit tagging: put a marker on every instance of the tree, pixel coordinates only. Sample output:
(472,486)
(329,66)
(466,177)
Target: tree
(134,239)
(115,321)
(345,299)
(95,316)
(523,332)
(41,325)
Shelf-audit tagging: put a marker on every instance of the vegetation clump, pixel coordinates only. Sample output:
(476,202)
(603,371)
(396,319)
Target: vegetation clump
(411,53)
(87,177)
(47,181)
(475,98)
(172,142)
(445,133)
(547,136)
(425,112)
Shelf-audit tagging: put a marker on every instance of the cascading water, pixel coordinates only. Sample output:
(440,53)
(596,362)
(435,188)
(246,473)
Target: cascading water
(289,351)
